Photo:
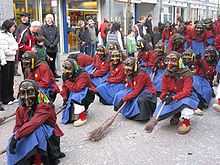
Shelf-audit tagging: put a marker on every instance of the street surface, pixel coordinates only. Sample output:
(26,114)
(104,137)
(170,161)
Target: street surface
(128,144)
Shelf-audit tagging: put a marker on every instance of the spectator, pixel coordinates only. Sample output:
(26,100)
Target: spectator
(27,39)
(92,35)
(156,35)
(41,50)
(131,43)
(140,30)
(8,48)
(83,37)
(25,22)
(52,38)
(148,24)
(114,36)
(103,29)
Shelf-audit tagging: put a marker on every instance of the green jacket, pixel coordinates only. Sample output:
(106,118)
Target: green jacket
(131,44)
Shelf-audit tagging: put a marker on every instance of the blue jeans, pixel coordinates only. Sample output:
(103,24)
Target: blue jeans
(90,50)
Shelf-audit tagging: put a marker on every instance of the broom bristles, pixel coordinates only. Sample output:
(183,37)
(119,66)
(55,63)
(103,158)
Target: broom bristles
(100,132)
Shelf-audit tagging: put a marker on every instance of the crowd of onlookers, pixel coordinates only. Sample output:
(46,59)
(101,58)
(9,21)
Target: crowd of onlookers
(16,40)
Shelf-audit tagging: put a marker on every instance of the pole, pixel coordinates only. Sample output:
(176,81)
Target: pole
(218,8)
(160,12)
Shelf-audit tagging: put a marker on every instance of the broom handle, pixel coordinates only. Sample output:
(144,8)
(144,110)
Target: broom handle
(2,152)
(161,108)
(7,117)
(119,110)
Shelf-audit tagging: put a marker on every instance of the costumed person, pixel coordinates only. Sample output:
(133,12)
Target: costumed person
(159,67)
(82,60)
(197,41)
(40,72)
(36,136)
(177,43)
(115,81)
(139,95)
(209,32)
(99,70)
(77,92)
(201,86)
(206,66)
(166,34)
(177,96)
(146,56)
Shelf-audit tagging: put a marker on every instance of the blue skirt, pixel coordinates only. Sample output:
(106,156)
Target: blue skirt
(202,88)
(218,67)
(157,81)
(131,108)
(99,80)
(89,69)
(38,139)
(211,41)
(198,47)
(176,106)
(109,90)
(73,97)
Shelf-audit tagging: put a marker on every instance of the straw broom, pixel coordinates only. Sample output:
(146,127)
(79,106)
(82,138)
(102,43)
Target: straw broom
(100,132)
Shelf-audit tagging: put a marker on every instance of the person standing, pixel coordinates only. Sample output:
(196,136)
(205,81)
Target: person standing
(92,33)
(27,39)
(52,38)
(25,22)
(8,48)
(83,36)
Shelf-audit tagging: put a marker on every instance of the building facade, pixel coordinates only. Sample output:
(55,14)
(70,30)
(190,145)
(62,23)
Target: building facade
(67,13)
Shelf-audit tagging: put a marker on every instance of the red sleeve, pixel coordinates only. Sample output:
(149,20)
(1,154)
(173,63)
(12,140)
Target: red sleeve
(24,46)
(149,84)
(187,89)
(81,82)
(46,76)
(41,115)
(18,120)
(103,69)
(64,92)
(163,36)
(141,82)
(119,77)
(84,60)
(165,87)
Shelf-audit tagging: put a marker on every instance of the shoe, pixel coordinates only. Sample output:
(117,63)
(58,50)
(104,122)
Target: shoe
(17,74)
(12,102)
(81,121)
(57,76)
(184,126)
(198,112)
(174,120)
(61,155)
(216,107)
(150,125)
(1,108)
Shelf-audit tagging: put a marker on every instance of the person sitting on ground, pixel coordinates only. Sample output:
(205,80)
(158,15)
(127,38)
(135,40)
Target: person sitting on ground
(77,92)
(139,96)
(36,136)
(40,72)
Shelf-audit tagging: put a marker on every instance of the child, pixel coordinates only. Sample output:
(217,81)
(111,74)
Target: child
(131,43)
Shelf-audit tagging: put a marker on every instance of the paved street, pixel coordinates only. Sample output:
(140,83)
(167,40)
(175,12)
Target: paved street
(128,144)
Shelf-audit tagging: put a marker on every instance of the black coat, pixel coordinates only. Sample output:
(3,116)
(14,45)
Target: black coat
(52,38)
(21,27)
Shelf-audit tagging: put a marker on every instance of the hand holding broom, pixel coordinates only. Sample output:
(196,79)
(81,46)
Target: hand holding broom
(98,133)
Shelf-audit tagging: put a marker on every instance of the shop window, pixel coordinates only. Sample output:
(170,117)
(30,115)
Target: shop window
(78,10)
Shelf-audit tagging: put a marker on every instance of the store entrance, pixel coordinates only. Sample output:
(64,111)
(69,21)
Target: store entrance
(73,28)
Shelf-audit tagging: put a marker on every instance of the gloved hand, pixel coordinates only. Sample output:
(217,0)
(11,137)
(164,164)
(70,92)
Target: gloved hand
(116,108)
(12,145)
(168,99)
(52,95)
